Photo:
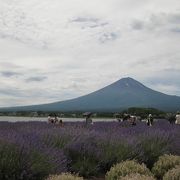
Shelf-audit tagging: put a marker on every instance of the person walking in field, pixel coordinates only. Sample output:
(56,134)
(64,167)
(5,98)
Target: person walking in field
(177,118)
(133,120)
(126,117)
(150,120)
(52,118)
(61,123)
(55,119)
(88,116)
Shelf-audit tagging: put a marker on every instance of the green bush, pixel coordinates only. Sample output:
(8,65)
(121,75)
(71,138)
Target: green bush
(165,163)
(173,174)
(136,177)
(113,154)
(16,163)
(85,166)
(40,165)
(56,140)
(11,162)
(64,176)
(126,168)
(152,147)
(83,159)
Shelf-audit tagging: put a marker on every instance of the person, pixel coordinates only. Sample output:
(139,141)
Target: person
(61,122)
(55,119)
(88,116)
(150,120)
(171,118)
(133,120)
(126,117)
(177,118)
(89,121)
(50,119)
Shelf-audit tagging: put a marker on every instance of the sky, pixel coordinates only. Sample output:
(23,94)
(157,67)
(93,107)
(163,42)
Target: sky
(62,49)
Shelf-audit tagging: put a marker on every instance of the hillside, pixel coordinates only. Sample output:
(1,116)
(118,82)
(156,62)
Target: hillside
(122,94)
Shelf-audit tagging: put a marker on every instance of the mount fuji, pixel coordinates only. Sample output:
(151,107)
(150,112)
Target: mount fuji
(119,95)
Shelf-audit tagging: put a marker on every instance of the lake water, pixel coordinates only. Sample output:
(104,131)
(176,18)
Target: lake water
(26,119)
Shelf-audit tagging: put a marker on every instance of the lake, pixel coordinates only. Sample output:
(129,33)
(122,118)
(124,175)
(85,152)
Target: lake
(26,119)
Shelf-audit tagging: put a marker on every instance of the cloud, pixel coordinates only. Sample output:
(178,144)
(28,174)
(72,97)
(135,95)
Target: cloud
(108,37)
(5,64)
(160,22)
(85,19)
(9,74)
(64,49)
(175,29)
(137,25)
(89,22)
(10,92)
(24,96)
(36,79)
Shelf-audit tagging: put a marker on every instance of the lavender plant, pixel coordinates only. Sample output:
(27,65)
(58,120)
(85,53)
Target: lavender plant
(38,149)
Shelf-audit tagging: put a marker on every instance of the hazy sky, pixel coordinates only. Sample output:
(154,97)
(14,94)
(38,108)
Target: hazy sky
(53,50)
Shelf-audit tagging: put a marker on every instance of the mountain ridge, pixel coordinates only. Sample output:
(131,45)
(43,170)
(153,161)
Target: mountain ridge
(122,94)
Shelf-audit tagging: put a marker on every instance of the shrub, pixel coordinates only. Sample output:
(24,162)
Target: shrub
(40,165)
(85,166)
(37,149)
(64,176)
(152,146)
(114,153)
(12,164)
(137,177)
(173,174)
(126,168)
(165,163)
(57,141)
(83,156)
(27,163)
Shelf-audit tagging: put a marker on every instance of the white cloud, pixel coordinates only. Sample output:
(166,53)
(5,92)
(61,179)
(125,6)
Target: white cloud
(58,50)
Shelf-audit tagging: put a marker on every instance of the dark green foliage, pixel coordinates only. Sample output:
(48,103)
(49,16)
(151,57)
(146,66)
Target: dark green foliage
(83,156)
(56,141)
(83,163)
(151,148)
(114,153)
(99,158)
(40,165)
(16,163)
(85,166)
(12,164)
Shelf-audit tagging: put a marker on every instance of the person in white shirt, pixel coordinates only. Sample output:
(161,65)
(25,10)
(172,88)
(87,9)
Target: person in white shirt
(150,120)
(177,118)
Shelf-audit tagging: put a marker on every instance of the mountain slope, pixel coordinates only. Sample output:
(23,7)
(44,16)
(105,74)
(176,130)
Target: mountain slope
(122,94)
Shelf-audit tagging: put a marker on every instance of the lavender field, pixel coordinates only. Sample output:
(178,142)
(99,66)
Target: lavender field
(33,150)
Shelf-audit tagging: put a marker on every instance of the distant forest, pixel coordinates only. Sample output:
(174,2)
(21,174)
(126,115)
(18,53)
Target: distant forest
(142,112)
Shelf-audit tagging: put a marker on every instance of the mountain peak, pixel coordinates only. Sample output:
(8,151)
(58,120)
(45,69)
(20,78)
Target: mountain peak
(128,79)
(122,94)
(128,82)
